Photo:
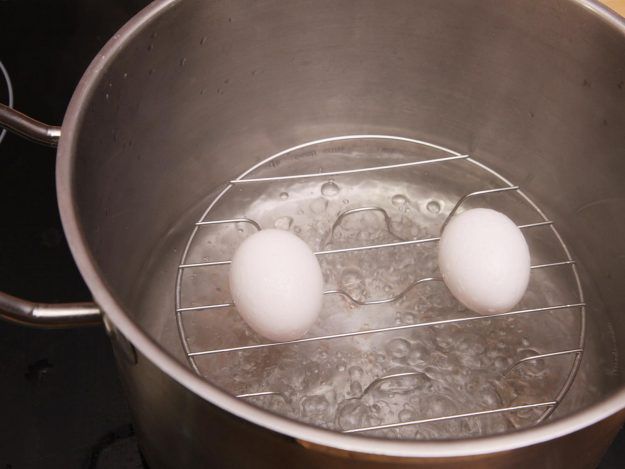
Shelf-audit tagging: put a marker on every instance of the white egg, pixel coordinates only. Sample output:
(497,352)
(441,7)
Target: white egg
(276,284)
(484,260)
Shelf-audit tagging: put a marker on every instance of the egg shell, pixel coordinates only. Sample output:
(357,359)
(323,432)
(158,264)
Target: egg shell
(484,260)
(276,284)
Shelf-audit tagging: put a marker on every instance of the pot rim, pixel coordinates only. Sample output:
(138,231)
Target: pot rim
(185,376)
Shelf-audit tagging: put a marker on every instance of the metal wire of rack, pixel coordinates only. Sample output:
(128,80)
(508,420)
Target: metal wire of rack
(567,262)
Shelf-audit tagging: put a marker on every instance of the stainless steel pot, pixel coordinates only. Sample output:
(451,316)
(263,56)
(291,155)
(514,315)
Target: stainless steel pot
(190,93)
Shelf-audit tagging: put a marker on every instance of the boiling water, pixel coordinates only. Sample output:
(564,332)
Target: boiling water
(426,372)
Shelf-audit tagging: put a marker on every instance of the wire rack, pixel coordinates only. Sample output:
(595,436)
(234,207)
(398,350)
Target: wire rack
(566,262)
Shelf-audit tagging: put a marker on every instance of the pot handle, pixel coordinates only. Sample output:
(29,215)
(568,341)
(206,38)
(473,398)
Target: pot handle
(44,315)
(26,312)
(28,127)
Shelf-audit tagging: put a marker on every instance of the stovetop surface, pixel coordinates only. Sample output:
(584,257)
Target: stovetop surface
(61,403)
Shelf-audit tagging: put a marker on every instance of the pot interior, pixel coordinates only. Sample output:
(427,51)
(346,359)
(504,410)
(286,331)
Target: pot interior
(527,95)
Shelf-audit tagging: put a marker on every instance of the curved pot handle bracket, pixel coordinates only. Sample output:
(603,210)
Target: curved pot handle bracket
(26,312)
(28,128)
(45,315)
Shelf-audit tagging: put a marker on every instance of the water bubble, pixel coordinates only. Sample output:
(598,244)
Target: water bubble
(329,189)
(352,282)
(381,410)
(418,357)
(399,200)
(283,223)
(489,397)
(469,361)
(355,388)
(318,206)
(151,46)
(106,96)
(398,348)
(284,195)
(522,417)
(438,406)
(315,405)
(321,355)
(406,415)
(426,432)
(352,413)
(433,206)
(355,373)
(407,318)
(501,363)
(183,61)
(469,343)
(444,341)
(125,75)
(530,367)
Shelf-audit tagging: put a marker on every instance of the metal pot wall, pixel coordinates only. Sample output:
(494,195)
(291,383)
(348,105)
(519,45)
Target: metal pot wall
(190,93)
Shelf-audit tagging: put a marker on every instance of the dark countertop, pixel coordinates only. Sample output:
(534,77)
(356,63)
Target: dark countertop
(61,400)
